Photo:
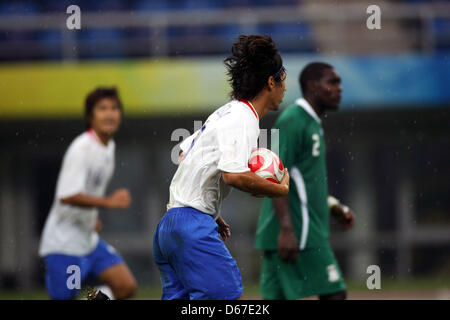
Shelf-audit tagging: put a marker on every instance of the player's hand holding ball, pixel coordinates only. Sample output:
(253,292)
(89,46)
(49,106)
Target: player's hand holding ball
(285,180)
(267,165)
(119,199)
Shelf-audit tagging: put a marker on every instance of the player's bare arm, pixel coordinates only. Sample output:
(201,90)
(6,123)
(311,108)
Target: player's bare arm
(252,183)
(287,240)
(119,199)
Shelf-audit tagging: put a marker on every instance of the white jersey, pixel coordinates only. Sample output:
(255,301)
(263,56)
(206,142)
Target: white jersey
(224,143)
(87,168)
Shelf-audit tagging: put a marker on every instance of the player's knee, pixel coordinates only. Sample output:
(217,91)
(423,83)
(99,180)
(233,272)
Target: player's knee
(125,290)
(341,295)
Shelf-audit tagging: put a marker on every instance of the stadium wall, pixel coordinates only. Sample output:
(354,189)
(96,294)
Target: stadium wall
(187,86)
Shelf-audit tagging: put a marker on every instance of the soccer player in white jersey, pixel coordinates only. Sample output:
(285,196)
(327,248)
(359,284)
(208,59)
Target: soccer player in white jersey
(194,263)
(70,243)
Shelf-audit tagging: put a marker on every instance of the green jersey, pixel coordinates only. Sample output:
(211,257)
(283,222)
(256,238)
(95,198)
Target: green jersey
(302,151)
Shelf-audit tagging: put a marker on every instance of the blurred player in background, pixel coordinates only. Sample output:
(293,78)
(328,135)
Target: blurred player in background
(293,230)
(193,261)
(70,235)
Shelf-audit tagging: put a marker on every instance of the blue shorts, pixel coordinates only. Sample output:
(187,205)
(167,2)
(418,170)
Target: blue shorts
(64,272)
(193,261)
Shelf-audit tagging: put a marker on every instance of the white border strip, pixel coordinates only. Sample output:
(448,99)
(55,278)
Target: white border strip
(298,179)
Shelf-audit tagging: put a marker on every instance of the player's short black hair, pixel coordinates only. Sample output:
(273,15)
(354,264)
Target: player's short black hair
(253,59)
(95,96)
(312,72)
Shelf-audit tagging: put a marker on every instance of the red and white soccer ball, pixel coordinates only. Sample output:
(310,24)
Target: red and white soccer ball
(266,164)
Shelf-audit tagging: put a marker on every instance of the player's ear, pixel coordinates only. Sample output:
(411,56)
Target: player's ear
(271,82)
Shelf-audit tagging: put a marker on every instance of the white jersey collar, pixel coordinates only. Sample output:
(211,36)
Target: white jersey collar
(305,105)
(249,104)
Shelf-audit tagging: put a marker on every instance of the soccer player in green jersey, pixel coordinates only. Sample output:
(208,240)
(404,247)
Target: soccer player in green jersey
(293,230)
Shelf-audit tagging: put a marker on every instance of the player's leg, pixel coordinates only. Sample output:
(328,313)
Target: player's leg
(269,286)
(64,275)
(172,288)
(291,279)
(109,268)
(334,288)
(317,273)
(214,274)
(121,281)
(198,256)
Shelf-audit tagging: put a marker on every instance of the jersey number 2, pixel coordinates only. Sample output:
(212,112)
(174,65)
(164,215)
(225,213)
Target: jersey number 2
(316,145)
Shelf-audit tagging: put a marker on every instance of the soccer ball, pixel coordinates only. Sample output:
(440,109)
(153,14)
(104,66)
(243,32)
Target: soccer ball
(266,164)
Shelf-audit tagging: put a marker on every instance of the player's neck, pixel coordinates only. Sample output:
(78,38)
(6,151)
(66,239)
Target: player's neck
(316,107)
(103,138)
(260,103)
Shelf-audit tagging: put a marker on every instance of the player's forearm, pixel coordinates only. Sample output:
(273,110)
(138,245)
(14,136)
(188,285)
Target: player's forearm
(86,201)
(251,183)
(282,212)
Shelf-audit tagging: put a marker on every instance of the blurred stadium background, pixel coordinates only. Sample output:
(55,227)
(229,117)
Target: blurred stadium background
(388,147)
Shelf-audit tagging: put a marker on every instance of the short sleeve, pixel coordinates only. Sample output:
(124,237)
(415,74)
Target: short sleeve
(73,174)
(236,140)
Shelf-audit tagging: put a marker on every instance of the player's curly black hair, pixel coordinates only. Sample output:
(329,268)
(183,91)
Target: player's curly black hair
(95,96)
(253,59)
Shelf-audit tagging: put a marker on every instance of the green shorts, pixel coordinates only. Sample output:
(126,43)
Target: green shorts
(314,273)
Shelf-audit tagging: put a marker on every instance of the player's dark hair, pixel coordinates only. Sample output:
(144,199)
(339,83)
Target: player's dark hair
(314,71)
(253,59)
(95,96)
